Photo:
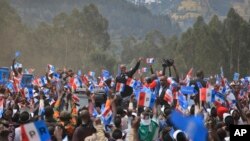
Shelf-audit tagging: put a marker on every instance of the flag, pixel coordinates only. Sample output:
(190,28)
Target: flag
(42,81)
(188,90)
(18,65)
(9,85)
(79,72)
(4,75)
(182,104)
(217,97)
(119,87)
(188,76)
(51,69)
(56,77)
(236,76)
(231,100)
(35,131)
(26,80)
(94,113)
(146,98)
(1,105)
(168,97)
(130,82)
(150,60)
(105,75)
(203,94)
(107,116)
(17,54)
(91,73)
(192,126)
(28,92)
(144,69)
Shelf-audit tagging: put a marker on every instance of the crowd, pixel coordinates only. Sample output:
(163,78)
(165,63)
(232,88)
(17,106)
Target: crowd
(158,107)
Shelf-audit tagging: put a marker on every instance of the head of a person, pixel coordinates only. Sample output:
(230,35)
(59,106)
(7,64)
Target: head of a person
(4,131)
(85,116)
(24,117)
(179,136)
(200,74)
(163,80)
(213,112)
(118,121)
(221,134)
(235,114)
(117,134)
(236,86)
(228,119)
(20,69)
(120,111)
(148,80)
(123,68)
(49,112)
(65,116)
(145,118)
(8,114)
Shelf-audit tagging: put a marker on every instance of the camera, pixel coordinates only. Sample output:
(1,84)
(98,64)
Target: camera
(167,62)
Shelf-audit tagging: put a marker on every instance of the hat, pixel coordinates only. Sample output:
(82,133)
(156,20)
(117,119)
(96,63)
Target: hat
(225,115)
(134,114)
(176,133)
(221,110)
(231,112)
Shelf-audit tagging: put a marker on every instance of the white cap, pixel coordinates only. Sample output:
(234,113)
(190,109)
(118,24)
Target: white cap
(231,112)
(134,114)
(227,138)
(225,115)
(176,133)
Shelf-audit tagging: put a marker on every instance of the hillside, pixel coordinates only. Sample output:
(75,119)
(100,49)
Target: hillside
(185,12)
(124,18)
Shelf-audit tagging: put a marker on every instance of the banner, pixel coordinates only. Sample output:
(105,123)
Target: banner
(4,75)
(27,80)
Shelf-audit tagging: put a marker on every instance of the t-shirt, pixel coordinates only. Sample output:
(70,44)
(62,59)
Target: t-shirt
(149,132)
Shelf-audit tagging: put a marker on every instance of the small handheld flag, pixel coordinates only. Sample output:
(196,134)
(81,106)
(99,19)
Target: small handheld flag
(168,97)
(17,54)
(107,116)
(130,82)
(188,90)
(91,73)
(4,75)
(150,60)
(146,98)
(35,131)
(51,68)
(236,76)
(144,69)
(119,87)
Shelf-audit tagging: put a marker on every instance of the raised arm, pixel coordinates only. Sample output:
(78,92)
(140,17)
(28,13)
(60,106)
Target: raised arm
(176,73)
(13,68)
(133,71)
